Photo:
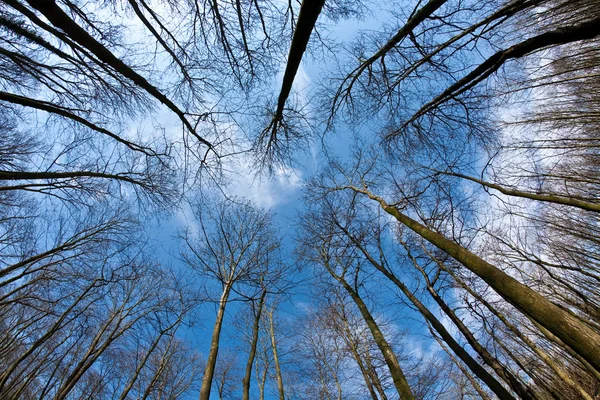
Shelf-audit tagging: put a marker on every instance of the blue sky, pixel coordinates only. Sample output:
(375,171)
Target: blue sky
(281,193)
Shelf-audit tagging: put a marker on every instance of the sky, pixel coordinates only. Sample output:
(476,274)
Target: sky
(281,193)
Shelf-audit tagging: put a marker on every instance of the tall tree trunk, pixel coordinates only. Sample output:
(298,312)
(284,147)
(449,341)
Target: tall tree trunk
(576,334)
(255,330)
(558,370)
(280,388)
(551,337)
(307,18)
(363,370)
(211,362)
(353,345)
(386,350)
(262,378)
(506,375)
(374,376)
(473,365)
(466,373)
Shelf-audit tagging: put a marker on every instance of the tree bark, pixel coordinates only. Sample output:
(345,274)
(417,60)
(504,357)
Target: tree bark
(580,337)
(280,388)
(558,370)
(386,350)
(506,375)
(473,365)
(353,345)
(211,361)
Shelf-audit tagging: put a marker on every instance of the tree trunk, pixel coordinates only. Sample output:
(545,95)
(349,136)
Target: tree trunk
(507,376)
(255,330)
(580,337)
(307,18)
(466,373)
(386,350)
(214,346)
(374,376)
(473,365)
(280,388)
(568,349)
(353,345)
(558,370)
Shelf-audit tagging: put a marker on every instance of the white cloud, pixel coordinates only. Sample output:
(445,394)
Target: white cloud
(266,191)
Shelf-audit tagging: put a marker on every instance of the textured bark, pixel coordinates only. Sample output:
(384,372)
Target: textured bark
(504,373)
(353,345)
(386,350)
(553,338)
(211,361)
(577,335)
(473,365)
(558,370)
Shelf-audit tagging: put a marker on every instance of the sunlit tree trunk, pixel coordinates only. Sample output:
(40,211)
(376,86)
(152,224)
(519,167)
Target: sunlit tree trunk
(577,335)
(556,368)
(464,371)
(354,350)
(473,365)
(386,350)
(507,376)
(253,344)
(211,361)
(279,376)
(374,376)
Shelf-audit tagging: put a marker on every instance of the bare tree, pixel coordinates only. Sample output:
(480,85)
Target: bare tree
(234,246)
(341,263)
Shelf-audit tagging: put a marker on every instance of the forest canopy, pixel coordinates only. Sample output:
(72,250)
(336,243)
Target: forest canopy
(316,199)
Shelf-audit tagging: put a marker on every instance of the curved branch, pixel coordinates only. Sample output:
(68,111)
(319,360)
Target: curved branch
(61,20)
(55,109)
